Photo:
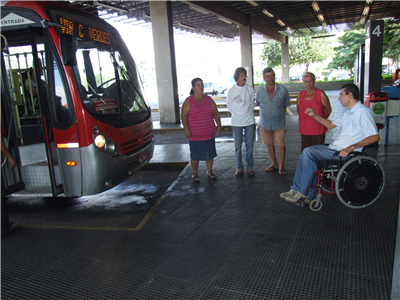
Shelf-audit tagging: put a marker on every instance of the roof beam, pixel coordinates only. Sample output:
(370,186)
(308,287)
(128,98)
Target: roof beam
(226,11)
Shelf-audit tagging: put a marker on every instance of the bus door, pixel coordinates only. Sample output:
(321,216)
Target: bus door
(11,179)
(45,93)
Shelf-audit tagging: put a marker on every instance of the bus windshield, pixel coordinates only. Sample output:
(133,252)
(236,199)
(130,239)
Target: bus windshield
(106,77)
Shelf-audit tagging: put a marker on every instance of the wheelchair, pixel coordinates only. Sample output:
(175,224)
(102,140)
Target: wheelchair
(358,181)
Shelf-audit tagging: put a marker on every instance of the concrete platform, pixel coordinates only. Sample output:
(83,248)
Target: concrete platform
(229,238)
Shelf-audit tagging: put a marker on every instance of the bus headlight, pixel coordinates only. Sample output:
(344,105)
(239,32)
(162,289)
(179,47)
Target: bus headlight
(110,147)
(100,141)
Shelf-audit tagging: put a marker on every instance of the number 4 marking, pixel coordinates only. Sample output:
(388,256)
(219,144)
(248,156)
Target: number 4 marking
(377,30)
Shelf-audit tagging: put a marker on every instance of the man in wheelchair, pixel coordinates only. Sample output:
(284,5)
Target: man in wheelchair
(358,129)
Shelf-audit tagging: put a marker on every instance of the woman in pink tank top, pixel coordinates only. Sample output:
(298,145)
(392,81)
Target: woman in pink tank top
(198,114)
(312,132)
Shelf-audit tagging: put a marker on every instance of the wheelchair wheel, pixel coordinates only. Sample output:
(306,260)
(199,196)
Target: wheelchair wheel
(360,182)
(313,205)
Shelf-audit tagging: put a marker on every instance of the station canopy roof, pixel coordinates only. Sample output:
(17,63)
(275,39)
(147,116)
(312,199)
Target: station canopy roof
(273,19)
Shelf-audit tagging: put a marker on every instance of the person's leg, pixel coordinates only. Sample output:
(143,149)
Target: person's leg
(249,137)
(279,136)
(209,164)
(268,139)
(307,166)
(237,133)
(195,167)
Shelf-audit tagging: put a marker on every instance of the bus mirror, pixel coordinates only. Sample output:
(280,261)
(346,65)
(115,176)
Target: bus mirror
(68,49)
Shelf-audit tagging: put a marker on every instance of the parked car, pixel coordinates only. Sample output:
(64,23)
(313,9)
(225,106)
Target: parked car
(212,88)
(295,78)
(339,75)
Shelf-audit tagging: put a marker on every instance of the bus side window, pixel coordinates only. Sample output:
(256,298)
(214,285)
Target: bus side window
(62,109)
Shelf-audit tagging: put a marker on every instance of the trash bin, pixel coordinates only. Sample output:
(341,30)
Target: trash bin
(378,101)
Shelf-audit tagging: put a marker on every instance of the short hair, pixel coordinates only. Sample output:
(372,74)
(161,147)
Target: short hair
(194,83)
(351,88)
(268,70)
(309,74)
(239,71)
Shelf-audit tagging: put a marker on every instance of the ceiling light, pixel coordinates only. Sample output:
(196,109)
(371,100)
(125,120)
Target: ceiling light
(266,12)
(199,10)
(255,4)
(225,20)
(280,22)
(208,32)
(321,17)
(288,28)
(362,20)
(105,6)
(366,10)
(315,6)
(227,37)
(368,1)
(186,26)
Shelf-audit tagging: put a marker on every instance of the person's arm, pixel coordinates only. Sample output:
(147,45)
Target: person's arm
(365,142)
(297,103)
(326,104)
(217,117)
(327,123)
(7,153)
(229,100)
(287,99)
(184,117)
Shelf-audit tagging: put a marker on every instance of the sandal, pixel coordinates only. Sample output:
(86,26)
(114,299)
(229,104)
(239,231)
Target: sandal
(195,179)
(212,176)
(271,168)
(282,172)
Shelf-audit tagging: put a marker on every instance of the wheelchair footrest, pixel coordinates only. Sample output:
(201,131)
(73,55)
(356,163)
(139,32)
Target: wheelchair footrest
(301,203)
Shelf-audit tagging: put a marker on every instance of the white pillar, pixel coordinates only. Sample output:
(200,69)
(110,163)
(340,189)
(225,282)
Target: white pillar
(164,54)
(285,61)
(246,52)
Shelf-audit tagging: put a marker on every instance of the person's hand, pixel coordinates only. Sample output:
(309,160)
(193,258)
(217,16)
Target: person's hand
(309,111)
(188,134)
(219,130)
(12,161)
(346,151)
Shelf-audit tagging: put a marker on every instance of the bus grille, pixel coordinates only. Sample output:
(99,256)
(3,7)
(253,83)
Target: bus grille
(137,143)
(113,133)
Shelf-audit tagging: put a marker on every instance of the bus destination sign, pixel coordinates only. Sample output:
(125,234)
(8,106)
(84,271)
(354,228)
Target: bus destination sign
(84,32)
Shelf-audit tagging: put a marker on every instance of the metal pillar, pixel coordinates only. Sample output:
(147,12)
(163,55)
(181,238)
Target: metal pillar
(164,52)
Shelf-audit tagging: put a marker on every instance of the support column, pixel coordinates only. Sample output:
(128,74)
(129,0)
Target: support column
(285,61)
(373,56)
(164,52)
(246,50)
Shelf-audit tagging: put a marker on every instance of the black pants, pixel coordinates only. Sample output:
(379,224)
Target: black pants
(5,222)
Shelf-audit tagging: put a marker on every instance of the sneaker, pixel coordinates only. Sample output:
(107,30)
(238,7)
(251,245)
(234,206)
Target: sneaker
(239,172)
(250,172)
(294,198)
(291,193)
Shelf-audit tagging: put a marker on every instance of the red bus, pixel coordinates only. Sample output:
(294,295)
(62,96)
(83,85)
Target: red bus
(72,102)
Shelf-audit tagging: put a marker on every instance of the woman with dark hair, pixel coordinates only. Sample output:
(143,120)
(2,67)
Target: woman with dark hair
(312,133)
(198,114)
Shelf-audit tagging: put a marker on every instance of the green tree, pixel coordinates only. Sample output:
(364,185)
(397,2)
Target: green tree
(391,41)
(345,55)
(302,51)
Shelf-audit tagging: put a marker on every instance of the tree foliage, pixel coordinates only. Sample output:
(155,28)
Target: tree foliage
(346,54)
(302,51)
(391,40)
